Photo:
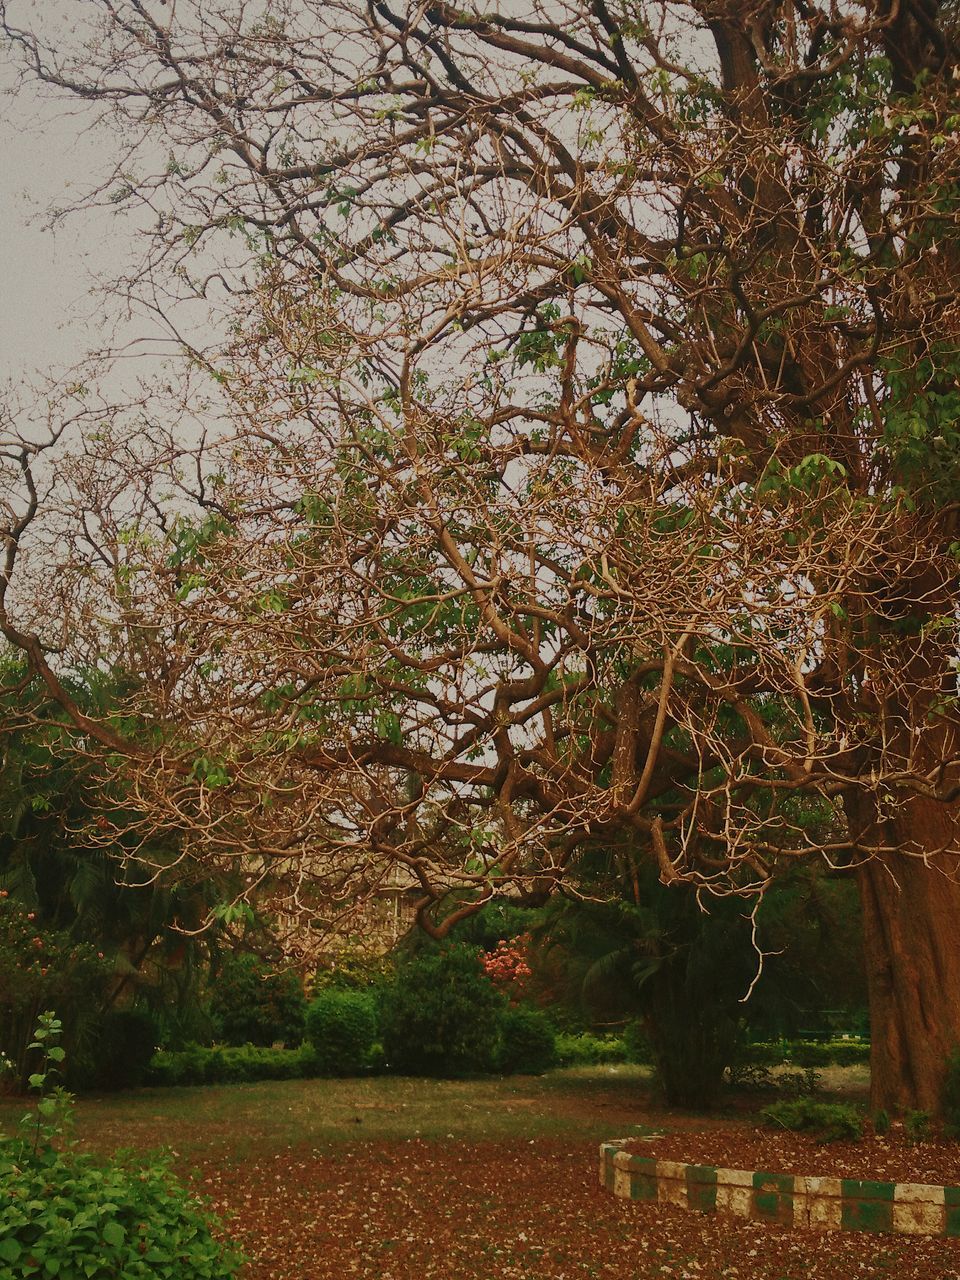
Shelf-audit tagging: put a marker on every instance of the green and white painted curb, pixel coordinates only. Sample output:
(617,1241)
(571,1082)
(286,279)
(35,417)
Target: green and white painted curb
(792,1200)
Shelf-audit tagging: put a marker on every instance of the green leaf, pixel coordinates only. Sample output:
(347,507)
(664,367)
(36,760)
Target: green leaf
(114,1234)
(10,1250)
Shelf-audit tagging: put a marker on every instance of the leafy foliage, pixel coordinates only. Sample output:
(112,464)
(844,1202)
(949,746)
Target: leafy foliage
(528,1041)
(440,1015)
(252,1003)
(68,1214)
(42,968)
(342,1028)
(829,1121)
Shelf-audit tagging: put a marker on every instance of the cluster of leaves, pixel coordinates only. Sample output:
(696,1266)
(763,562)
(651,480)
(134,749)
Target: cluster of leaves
(252,1003)
(68,1214)
(342,1028)
(41,967)
(829,1121)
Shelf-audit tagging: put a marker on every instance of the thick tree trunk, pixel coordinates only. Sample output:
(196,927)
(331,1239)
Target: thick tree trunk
(911,918)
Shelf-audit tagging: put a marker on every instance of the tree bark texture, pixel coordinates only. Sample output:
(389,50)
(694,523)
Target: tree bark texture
(911,919)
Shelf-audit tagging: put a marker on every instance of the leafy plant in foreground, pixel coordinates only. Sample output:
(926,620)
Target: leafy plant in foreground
(71,1216)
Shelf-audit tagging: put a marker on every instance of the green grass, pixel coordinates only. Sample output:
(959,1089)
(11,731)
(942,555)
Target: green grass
(589,1103)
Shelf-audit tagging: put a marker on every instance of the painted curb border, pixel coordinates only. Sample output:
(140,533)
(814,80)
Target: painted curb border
(791,1200)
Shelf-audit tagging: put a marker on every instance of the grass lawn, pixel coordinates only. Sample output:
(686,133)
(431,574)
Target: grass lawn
(398,1179)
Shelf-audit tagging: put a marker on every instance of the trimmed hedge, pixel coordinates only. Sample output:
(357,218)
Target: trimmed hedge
(342,1028)
(229,1065)
(528,1042)
(588,1050)
(806,1053)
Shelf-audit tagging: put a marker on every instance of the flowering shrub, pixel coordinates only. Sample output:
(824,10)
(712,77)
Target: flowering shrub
(507,966)
(40,969)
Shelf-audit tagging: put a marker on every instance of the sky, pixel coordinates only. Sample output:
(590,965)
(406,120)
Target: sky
(45,272)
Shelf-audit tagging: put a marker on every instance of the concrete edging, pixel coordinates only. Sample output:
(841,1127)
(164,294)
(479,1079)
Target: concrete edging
(791,1200)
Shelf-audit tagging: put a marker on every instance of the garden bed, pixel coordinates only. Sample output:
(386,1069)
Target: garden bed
(886,1159)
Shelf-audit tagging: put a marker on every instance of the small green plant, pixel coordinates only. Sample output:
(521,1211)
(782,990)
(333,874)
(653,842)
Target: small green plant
(916,1125)
(68,1215)
(829,1121)
(881,1123)
(52,1110)
(342,1028)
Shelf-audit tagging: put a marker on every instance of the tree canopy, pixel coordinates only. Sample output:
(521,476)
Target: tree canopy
(579,464)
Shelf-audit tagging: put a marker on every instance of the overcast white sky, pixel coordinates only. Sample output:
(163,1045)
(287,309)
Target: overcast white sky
(47,319)
(43,274)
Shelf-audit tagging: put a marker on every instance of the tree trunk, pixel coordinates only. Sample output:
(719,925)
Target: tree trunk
(911,919)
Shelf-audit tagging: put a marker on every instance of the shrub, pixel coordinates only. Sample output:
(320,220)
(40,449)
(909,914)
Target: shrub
(831,1122)
(67,1214)
(196,1065)
(528,1042)
(342,1027)
(636,1043)
(251,1004)
(916,1125)
(70,1215)
(440,1016)
(43,968)
(881,1123)
(126,1042)
(588,1050)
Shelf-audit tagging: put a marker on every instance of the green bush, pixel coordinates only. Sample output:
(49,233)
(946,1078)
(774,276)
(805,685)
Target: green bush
(342,1027)
(231,1065)
(440,1015)
(588,1050)
(126,1042)
(528,1042)
(831,1122)
(42,968)
(68,1215)
(252,1004)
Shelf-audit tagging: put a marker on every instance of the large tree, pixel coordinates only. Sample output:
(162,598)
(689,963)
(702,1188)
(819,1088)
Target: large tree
(587,460)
